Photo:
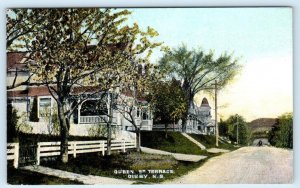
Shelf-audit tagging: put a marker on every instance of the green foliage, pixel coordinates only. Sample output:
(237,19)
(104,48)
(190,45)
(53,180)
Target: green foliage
(85,51)
(34,111)
(12,122)
(282,134)
(234,124)
(168,101)
(175,142)
(223,128)
(51,117)
(198,70)
(93,164)
(209,141)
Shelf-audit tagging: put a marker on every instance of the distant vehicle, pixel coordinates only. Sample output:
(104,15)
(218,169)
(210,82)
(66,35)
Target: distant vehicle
(260,143)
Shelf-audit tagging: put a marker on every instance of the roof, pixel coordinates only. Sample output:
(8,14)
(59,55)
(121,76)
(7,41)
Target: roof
(14,60)
(204,103)
(31,92)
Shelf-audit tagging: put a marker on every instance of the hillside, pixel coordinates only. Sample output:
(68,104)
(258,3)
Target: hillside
(260,127)
(175,142)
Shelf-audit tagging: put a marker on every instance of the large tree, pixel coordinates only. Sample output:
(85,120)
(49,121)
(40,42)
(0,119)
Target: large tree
(168,102)
(198,71)
(80,53)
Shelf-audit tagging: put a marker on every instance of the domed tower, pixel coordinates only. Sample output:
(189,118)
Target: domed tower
(205,108)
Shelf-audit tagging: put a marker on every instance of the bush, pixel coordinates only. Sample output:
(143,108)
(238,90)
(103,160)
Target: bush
(12,122)
(282,135)
(244,133)
(34,111)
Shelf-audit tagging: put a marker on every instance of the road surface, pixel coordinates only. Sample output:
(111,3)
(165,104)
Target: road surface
(246,165)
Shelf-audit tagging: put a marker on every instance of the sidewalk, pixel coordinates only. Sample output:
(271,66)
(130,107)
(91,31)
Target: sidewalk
(177,156)
(90,179)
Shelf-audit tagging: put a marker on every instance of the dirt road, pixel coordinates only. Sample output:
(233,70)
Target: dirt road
(246,165)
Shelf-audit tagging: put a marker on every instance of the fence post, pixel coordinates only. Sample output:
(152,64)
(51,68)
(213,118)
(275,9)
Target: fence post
(103,147)
(38,151)
(16,155)
(124,146)
(74,149)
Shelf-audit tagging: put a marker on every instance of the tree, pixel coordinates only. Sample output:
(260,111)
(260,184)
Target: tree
(80,53)
(223,128)
(168,102)
(238,129)
(198,71)
(130,105)
(282,134)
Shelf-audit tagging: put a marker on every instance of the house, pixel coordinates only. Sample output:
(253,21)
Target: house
(85,119)
(199,119)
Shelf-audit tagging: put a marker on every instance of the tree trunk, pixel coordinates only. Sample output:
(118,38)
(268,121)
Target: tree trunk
(166,131)
(64,134)
(110,116)
(138,139)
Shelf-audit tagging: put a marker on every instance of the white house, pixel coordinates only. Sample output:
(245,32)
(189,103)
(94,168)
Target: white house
(85,119)
(199,119)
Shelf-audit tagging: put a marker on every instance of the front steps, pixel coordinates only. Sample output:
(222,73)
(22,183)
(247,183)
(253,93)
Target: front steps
(194,141)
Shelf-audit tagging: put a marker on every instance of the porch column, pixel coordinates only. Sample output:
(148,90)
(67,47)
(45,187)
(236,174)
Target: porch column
(79,108)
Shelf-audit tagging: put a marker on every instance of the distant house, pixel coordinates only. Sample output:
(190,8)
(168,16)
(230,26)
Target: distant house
(199,119)
(85,119)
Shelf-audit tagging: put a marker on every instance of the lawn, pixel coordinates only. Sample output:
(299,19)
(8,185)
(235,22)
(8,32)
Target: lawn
(115,165)
(25,177)
(175,142)
(209,141)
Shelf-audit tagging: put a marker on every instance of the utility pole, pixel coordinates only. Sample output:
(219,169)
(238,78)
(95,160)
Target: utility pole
(237,130)
(216,115)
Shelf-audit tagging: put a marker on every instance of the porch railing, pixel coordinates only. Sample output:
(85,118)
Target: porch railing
(95,119)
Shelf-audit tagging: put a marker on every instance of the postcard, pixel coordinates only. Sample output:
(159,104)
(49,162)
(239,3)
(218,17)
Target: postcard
(149,95)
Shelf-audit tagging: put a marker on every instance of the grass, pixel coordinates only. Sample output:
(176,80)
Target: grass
(175,142)
(209,141)
(25,177)
(107,166)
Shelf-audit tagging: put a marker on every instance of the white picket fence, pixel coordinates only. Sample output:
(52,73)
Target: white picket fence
(47,149)
(13,153)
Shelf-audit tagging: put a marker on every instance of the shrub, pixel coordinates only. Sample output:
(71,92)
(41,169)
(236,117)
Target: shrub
(34,111)
(12,122)
(282,135)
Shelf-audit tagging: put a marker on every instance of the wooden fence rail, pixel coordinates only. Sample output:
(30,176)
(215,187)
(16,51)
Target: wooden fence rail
(47,149)
(13,153)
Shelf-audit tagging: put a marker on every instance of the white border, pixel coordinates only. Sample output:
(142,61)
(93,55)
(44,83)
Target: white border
(153,3)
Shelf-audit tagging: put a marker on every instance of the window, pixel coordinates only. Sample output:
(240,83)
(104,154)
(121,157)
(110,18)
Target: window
(44,107)
(145,114)
(93,108)
(138,112)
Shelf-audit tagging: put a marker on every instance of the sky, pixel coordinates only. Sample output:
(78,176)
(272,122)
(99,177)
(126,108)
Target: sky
(261,40)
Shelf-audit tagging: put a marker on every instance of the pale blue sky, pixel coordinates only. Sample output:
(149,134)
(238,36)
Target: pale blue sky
(261,38)
(248,32)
